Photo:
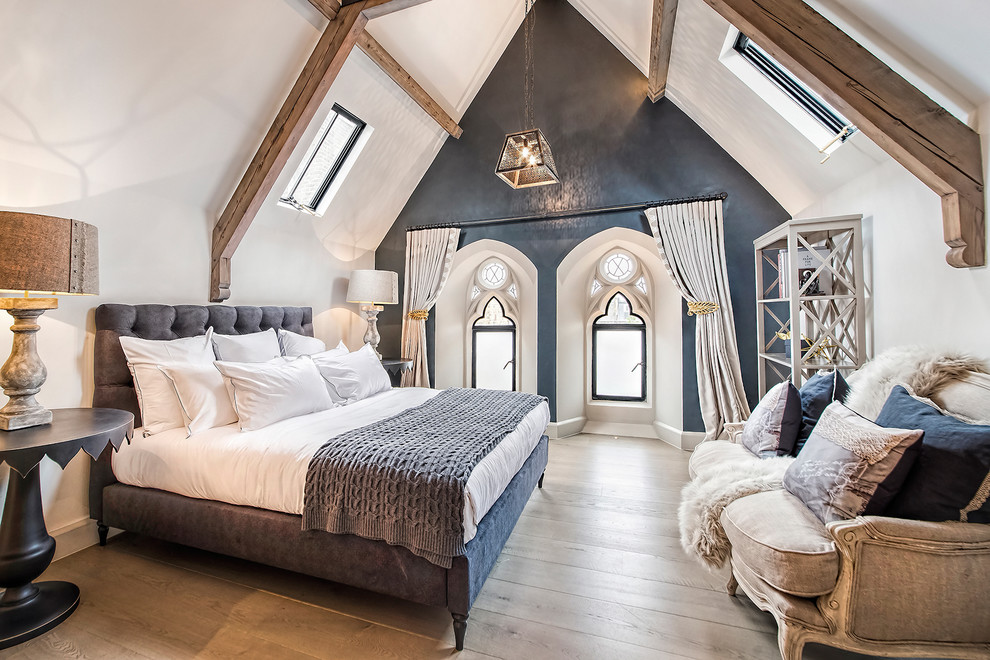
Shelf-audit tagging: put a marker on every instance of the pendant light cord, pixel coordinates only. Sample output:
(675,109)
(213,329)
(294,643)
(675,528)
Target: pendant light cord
(529,83)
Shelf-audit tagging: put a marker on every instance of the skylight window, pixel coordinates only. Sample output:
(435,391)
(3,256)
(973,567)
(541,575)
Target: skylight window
(793,100)
(326,162)
(813,104)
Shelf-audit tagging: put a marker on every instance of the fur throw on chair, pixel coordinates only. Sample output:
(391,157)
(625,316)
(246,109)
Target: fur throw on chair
(704,498)
(924,370)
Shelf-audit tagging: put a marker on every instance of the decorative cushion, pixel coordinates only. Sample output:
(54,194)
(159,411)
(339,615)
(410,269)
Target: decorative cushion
(779,539)
(849,465)
(716,455)
(202,395)
(968,399)
(294,344)
(270,392)
(951,478)
(157,400)
(816,395)
(254,347)
(354,376)
(772,428)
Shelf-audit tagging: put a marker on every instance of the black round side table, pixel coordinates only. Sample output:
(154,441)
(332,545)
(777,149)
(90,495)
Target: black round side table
(396,367)
(29,609)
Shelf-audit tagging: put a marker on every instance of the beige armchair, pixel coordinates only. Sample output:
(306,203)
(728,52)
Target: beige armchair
(905,588)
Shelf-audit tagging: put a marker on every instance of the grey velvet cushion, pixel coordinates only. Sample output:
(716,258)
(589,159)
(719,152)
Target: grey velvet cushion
(779,539)
(850,465)
(772,429)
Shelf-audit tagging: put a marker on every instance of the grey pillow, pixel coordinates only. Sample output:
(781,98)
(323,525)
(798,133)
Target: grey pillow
(772,428)
(845,462)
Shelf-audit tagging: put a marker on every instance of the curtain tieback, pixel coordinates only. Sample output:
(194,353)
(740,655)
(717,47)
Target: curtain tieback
(419,314)
(701,308)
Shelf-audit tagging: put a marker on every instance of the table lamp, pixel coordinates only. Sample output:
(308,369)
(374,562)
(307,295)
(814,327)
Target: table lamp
(39,254)
(373,288)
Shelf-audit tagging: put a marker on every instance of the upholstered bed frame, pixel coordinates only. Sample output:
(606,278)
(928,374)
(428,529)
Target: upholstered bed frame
(267,537)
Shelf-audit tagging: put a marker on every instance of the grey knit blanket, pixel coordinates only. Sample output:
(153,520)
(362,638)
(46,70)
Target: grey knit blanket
(401,480)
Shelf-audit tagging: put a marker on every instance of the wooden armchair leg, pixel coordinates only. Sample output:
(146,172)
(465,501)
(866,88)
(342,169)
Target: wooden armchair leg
(790,640)
(732,585)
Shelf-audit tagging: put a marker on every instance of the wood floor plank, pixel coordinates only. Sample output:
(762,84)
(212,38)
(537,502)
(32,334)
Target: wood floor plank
(623,623)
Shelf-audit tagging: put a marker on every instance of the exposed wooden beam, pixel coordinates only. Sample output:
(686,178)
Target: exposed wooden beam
(933,145)
(380,56)
(328,8)
(297,111)
(664,13)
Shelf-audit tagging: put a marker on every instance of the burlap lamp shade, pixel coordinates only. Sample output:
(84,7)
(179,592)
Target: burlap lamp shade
(48,255)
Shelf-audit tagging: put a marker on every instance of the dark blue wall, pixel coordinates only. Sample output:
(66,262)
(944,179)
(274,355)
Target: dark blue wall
(612,146)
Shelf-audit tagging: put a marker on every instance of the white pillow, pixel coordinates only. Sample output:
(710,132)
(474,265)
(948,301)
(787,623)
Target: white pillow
(294,344)
(202,395)
(354,376)
(157,400)
(255,347)
(336,351)
(268,393)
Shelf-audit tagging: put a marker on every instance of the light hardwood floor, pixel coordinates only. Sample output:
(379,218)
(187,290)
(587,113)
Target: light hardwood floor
(593,570)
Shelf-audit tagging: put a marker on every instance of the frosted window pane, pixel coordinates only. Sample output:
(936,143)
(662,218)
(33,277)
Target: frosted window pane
(493,274)
(513,291)
(596,286)
(475,292)
(492,351)
(618,267)
(641,284)
(619,310)
(616,353)
(494,314)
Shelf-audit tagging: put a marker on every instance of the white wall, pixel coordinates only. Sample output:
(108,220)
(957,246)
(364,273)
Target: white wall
(917,297)
(143,133)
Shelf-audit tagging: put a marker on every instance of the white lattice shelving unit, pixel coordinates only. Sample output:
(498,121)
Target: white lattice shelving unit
(833,322)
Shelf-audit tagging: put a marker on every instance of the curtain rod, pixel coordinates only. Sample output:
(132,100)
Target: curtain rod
(554,215)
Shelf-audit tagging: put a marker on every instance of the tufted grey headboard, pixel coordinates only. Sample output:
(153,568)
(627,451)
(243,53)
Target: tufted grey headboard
(114,385)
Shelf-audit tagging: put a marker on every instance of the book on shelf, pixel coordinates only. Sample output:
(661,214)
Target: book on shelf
(807,262)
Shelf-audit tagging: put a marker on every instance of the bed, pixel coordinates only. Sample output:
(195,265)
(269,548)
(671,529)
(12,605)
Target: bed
(274,535)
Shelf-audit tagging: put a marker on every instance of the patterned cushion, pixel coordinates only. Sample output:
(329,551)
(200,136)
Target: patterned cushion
(773,427)
(820,390)
(848,467)
(951,479)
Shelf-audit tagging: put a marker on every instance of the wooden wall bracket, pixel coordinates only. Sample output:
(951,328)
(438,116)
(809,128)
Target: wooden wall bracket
(940,150)
(305,97)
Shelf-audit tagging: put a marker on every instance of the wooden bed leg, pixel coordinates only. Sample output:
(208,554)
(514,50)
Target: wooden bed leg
(460,627)
(539,484)
(102,530)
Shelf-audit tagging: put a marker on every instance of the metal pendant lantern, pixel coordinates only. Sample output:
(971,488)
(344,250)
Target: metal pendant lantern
(526,159)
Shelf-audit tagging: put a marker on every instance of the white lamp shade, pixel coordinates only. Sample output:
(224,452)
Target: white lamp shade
(375,287)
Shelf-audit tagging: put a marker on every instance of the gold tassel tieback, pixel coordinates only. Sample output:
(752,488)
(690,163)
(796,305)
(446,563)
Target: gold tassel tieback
(419,314)
(701,308)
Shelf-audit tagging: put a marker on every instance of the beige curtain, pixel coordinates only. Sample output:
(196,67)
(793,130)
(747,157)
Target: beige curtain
(429,255)
(689,237)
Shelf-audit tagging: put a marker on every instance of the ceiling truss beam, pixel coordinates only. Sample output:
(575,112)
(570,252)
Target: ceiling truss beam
(394,70)
(661,39)
(305,97)
(940,150)
(328,8)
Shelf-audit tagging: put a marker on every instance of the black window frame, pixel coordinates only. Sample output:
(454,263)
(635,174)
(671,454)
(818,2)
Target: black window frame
(794,88)
(641,328)
(334,169)
(475,329)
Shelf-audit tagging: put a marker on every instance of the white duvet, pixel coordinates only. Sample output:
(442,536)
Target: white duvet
(267,468)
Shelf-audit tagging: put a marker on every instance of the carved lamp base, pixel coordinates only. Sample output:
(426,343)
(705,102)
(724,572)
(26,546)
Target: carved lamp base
(23,374)
(371,336)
